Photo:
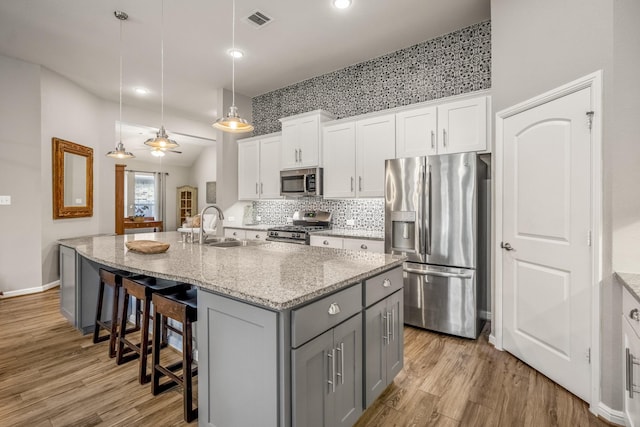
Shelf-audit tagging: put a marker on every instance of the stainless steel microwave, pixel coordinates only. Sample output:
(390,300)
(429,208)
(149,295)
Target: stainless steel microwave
(301,182)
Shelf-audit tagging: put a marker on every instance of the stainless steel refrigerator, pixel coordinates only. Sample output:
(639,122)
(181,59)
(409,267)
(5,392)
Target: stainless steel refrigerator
(436,214)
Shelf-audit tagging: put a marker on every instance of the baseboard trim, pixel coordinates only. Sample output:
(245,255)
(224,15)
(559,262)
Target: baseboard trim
(28,291)
(610,415)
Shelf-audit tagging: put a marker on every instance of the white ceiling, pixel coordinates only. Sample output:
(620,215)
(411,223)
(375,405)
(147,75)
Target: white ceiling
(79,39)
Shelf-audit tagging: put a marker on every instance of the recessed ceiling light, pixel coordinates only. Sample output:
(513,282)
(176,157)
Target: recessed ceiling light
(141,91)
(341,4)
(235,53)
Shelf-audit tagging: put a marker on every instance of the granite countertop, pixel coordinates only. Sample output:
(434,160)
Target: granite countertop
(261,227)
(74,242)
(277,276)
(342,232)
(631,281)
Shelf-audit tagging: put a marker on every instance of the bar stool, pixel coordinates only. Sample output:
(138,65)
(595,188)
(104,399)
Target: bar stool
(182,307)
(141,288)
(112,278)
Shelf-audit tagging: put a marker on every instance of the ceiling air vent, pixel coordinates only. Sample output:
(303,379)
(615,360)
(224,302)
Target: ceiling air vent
(258,19)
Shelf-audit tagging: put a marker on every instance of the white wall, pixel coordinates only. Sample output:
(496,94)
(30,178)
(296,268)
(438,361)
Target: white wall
(203,171)
(20,172)
(537,46)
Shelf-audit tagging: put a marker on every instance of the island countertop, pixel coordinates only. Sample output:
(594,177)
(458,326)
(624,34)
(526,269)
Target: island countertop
(277,276)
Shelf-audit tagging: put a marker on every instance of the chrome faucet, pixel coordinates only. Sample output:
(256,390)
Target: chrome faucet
(220,218)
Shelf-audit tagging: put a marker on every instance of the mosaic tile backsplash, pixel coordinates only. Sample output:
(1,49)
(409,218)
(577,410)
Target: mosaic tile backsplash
(368,214)
(452,64)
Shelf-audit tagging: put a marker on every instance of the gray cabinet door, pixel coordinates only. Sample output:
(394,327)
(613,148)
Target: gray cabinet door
(313,367)
(68,283)
(374,357)
(347,341)
(395,347)
(384,343)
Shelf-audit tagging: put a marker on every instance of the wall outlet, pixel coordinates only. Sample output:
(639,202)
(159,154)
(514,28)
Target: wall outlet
(351,222)
(289,220)
(5,200)
(232,218)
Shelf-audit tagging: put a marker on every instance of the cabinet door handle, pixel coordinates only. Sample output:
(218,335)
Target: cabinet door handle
(363,246)
(341,373)
(389,333)
(261,188)
(300,154)
(444,137)
(385,328)
(359,183)
(334,308)
(326,242)
(386,283)
(295,153)
(352,184)
(393,325)
(629,373)
(635,315)
(256,188)
(332,370)
(235,234)
(433,140)
(257,236)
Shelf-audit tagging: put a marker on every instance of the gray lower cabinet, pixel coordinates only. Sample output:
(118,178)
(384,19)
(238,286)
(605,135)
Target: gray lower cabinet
(384,339)
(67,260)
(327,377)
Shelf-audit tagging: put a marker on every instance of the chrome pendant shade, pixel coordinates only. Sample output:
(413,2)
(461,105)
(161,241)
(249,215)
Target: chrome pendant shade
(232,122)
(120,152)
(161,141)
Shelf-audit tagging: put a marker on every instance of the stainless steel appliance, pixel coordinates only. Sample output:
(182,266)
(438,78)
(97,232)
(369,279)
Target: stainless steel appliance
(301,182)
(304,222)
(432,216)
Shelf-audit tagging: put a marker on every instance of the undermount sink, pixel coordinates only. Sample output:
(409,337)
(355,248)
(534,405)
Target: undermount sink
(230,242)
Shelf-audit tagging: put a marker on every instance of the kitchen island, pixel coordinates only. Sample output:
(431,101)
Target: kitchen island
(286,334)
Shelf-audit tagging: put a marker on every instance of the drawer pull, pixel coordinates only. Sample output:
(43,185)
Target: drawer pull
(386,283)
(363,246)
(635,314)
(257,236)
(334,308)
(326,242)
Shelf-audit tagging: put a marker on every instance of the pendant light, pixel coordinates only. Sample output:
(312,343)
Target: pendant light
(161,141)
(232,122)
(120,152)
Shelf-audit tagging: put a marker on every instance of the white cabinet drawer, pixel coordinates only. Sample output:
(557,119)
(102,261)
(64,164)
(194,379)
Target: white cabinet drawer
(326,242)
(364,245)
(382,285)
(255,234)
(234,232)
(631,310)
(311,320)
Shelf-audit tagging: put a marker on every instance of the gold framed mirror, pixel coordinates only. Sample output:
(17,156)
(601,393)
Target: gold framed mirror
(72,179)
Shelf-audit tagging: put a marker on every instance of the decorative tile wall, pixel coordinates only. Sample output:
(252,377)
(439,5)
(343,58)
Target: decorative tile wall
(368,214)
(452,64)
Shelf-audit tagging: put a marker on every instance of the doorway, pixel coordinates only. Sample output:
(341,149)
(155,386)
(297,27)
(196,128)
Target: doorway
(548,216)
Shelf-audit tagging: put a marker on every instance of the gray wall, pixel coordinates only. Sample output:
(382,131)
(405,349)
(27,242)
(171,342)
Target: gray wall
(537,46)
(20,225)
(455,63)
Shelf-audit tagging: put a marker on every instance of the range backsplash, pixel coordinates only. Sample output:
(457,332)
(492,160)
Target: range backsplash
(452,64)
(368,214)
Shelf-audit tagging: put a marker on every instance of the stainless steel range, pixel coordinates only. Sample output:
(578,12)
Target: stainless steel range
(303,223)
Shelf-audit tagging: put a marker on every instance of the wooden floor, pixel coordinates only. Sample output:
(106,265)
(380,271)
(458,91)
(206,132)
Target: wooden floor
(50,375)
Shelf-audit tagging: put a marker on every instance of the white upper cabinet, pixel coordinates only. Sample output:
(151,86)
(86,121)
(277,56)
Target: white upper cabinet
(339,153)
(452,127)
(462,126)
(259,167)
(301,142)
(354,153)
(375,143)
(416,132)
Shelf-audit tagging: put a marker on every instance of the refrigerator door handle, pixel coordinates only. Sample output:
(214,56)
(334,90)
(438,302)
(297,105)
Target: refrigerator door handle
(427,211)
(437,273)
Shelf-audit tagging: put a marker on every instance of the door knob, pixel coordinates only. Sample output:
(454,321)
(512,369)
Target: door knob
(506,246)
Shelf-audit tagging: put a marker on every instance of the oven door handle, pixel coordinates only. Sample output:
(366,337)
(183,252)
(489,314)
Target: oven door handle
(437,273)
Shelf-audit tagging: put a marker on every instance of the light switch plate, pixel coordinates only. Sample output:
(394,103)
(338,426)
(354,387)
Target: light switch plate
(5,200)
(351,222)
(289,220)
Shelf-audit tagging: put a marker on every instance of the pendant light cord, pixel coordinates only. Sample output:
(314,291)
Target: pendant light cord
(233,57)
(162,65)
(120,131)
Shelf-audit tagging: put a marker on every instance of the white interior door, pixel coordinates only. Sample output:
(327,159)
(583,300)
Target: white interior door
(546,267)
